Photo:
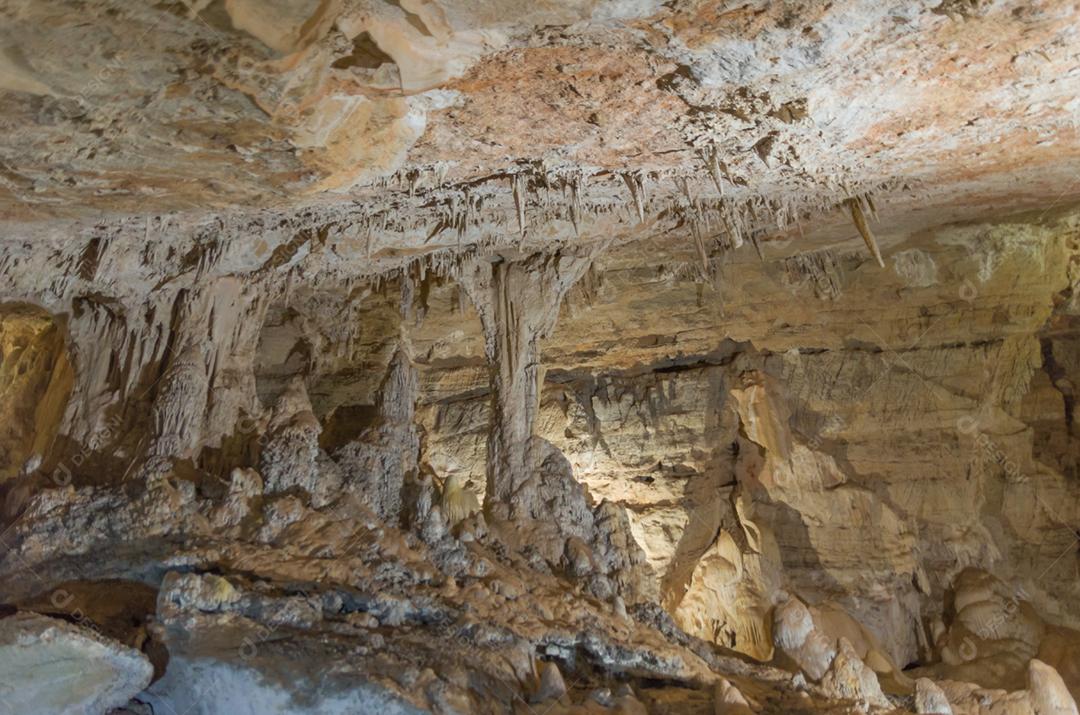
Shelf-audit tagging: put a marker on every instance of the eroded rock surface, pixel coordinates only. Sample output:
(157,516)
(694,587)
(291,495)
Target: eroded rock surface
(592,356)
(49,666)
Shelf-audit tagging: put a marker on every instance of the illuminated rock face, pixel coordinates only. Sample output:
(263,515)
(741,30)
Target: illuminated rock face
(608,355)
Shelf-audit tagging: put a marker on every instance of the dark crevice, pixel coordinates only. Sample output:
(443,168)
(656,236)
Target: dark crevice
(1060,380)
(366,54)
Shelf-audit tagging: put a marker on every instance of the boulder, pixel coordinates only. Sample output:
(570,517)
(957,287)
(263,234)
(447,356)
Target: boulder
(50,666)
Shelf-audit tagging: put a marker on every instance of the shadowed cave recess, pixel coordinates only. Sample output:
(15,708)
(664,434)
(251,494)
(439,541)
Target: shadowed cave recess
(594,356)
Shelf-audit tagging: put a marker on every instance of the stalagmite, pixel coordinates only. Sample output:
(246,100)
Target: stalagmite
(377,465)
(1049,694)
(181,399)
(929,699)
(457,501)
(550,684)
(291,459)
(727,700)
(576,185)
(849,678)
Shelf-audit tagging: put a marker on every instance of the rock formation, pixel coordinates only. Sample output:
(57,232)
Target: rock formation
(573,357)
(52,666)
(518,302)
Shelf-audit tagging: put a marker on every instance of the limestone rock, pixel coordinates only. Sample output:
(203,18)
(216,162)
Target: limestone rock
(848,678)
(52,666)
(457,501)
(36,375)
(996,634)
(550,684)
(377,464)
(929,698)
(1049,695)
(727,700)
(397,346)
(245,487)
(292,457)
(797,638)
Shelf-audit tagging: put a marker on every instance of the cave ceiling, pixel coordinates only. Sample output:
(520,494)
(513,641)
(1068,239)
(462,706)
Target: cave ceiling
(470,122)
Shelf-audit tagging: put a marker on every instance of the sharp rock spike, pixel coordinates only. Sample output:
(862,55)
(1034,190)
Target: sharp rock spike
(859,218)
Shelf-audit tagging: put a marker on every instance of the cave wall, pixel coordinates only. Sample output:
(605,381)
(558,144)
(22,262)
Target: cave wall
(909,418)
(810,423)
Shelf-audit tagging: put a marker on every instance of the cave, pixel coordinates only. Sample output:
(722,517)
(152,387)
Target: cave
(714,357)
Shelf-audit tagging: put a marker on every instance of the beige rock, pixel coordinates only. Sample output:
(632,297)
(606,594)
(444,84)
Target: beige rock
(996,634)
(705,303)
(550,684)
(48,665)
(457,501)
(929,698)
(727,700)
(35,379)
(798,639)
(849,678)
(1049,696)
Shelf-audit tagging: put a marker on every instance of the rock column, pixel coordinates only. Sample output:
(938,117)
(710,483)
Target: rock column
(518,298)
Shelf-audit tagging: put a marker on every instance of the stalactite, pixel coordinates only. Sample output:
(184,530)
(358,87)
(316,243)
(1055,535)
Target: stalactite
(408,290)
(699,244)
(757,247)
(683,185)
(857,216)
(518,185)
(712,160)
(635,184)
(731,225)
(574,183)
(591,283)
